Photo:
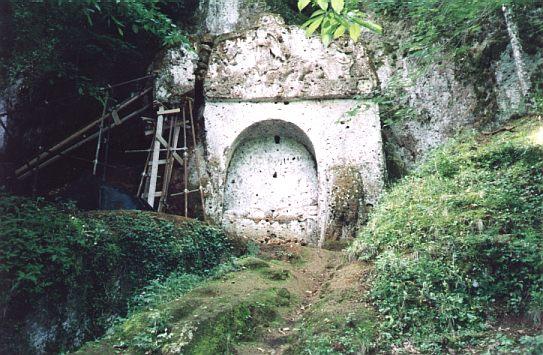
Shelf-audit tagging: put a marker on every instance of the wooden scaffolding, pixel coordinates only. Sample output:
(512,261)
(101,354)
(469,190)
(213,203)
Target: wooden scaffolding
(170,129)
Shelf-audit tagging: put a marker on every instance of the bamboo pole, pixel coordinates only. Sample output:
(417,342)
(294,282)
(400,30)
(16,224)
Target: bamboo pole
(143,175)
(78,144)
(99,142)
(75,135)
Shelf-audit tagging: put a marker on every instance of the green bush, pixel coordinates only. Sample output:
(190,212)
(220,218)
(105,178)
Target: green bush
(51,253)
(455,26)
(459,243)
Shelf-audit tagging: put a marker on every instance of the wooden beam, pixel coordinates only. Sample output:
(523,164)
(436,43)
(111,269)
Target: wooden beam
(169,112)
(154,161)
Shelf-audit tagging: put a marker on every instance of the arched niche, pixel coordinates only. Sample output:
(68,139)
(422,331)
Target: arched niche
(271,186)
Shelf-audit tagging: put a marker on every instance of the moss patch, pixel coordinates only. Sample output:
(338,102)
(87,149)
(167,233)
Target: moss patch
(210,319)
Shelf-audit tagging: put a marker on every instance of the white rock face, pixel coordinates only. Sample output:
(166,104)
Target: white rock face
(272,182)
(175,73)
(447,104)
(4,120)
(282,128)
(241,147)
(222,15)
(277,61)
(281,124)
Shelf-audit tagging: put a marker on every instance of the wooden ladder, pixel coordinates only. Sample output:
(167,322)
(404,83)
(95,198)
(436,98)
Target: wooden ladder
(164,153)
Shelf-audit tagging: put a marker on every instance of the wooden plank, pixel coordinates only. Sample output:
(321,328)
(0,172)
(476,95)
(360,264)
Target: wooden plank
(149,150)
(167,146)
(78,144)
(185,164)
(154,160)
(116,118)
(43,156)
(174,140)
(169,112)
(183,192)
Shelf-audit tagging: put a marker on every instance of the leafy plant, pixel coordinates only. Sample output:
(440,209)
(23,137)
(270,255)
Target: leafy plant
(335,18)
(49,253)
(458,244)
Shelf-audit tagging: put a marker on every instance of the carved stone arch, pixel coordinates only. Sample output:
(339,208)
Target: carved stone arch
(271,183)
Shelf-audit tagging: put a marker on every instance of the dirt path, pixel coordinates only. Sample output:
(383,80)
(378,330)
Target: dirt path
(322,274)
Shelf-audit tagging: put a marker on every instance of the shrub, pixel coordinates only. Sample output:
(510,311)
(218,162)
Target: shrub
(50,254)
(459,242)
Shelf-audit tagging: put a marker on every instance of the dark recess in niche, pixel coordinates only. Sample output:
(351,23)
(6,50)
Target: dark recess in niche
(277,139)
(275,174)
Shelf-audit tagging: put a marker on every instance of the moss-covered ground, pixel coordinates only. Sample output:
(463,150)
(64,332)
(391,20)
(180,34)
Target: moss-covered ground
(286,300)
(68,273)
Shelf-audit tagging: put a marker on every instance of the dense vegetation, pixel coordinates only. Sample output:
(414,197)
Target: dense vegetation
(51,255)
(457,27)
(57,44)
(457,246)
(57,59)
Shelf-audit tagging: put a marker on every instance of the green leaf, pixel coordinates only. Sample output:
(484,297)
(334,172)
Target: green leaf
(317,13)
(340,31)
(338,5)
(314,25)
(369,25)
(354,31)
(326,39)
(323,4)
(302,4)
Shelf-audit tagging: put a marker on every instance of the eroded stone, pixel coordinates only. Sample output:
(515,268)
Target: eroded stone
(275,61)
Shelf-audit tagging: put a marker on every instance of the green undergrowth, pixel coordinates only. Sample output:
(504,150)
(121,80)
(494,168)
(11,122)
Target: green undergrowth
(212,318)
(458,245)
(96,263)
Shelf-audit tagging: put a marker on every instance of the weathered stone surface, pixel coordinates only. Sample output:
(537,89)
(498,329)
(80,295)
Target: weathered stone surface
(223,16)
(445,97)
(275,61)
(347,207)
(257,190)
(175,73)
(509,96)
(271,181)
(441,102)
